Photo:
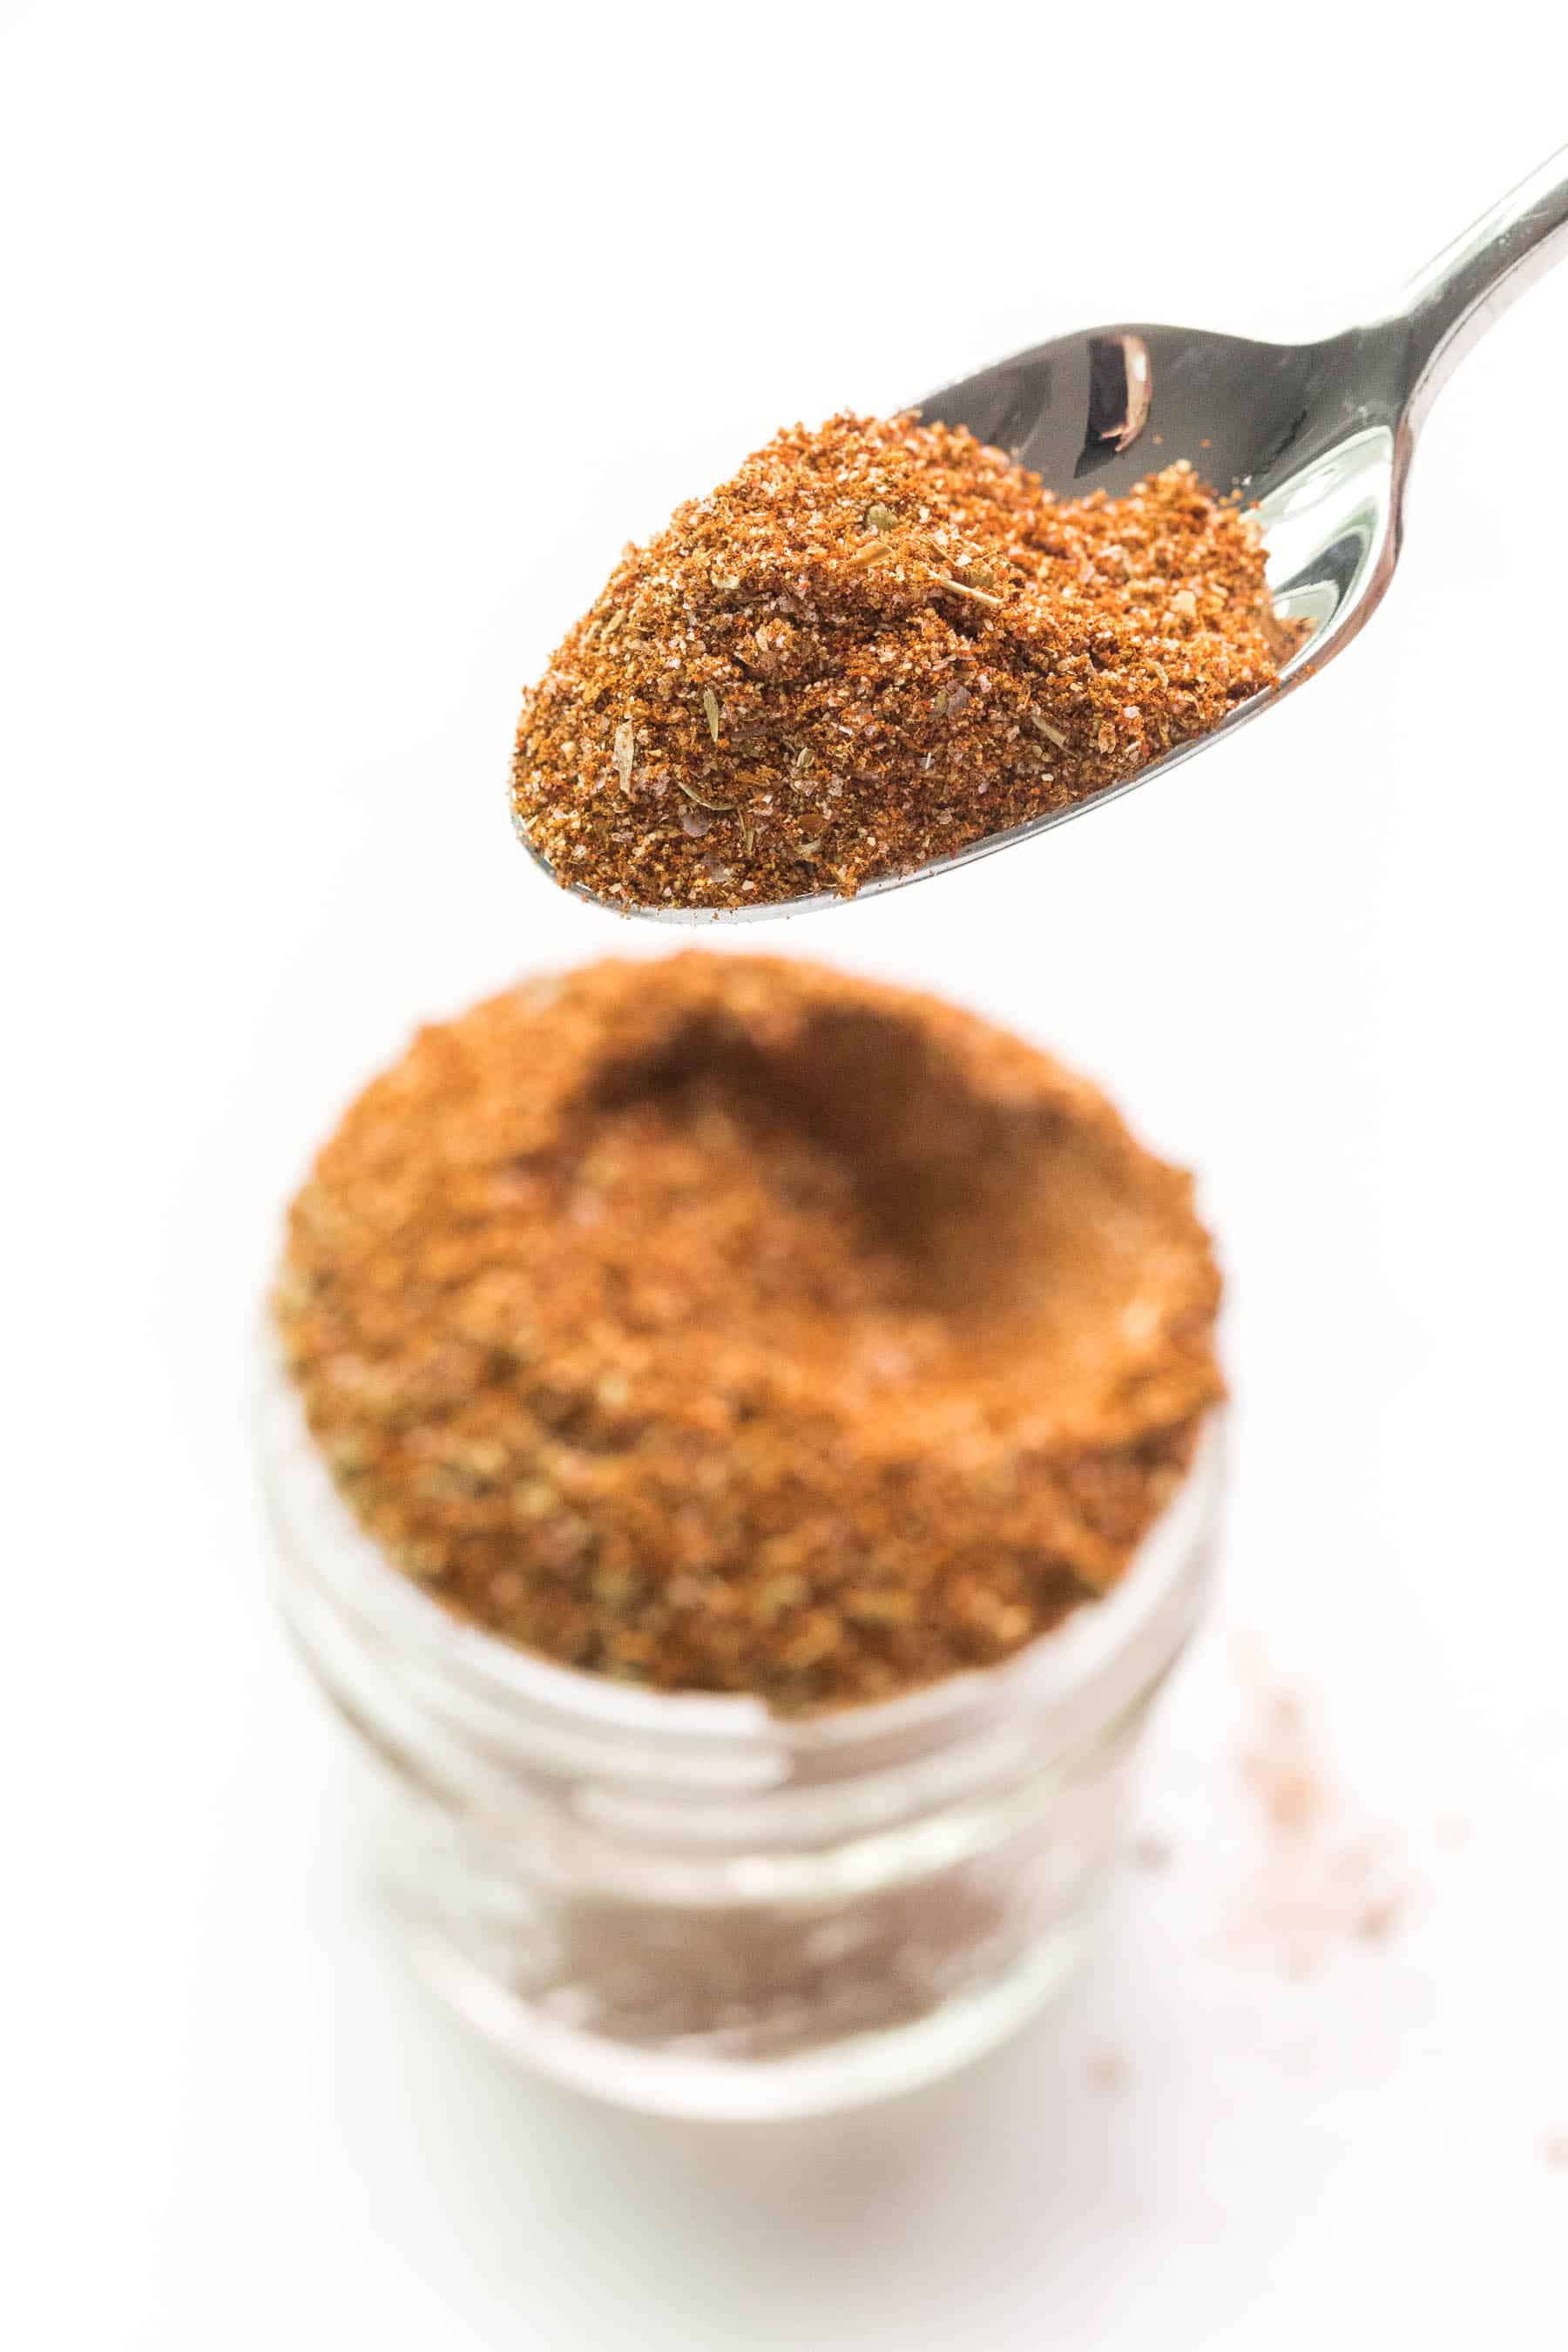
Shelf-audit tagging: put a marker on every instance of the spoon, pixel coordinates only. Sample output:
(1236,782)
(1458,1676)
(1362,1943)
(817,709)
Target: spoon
(1318,436)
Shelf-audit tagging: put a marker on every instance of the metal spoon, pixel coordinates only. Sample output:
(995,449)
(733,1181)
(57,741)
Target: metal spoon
(1319,435)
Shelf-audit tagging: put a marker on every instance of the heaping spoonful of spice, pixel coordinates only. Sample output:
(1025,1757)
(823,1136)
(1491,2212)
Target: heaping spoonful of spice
(885,648)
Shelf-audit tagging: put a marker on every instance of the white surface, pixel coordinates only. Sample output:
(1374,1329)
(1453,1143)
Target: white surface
(346,344)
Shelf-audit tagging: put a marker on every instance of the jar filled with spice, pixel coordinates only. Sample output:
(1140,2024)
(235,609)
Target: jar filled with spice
(687,1903)
(743,1450)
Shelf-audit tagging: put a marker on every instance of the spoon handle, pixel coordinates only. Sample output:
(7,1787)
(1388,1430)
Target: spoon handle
(1450,304)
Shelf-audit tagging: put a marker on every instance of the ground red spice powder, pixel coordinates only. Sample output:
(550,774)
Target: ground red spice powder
(879,643)
(725,1323)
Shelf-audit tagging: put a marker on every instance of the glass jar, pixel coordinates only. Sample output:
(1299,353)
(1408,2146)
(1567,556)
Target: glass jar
(690,1905)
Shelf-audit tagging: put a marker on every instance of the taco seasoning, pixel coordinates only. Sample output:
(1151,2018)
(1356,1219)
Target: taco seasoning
(879,643)
(724,1324)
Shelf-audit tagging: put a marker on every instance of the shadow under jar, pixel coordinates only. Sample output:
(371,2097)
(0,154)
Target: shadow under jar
(688,1905)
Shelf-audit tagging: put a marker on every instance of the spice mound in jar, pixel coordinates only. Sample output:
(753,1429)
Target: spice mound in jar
(729,1324)
(879,643)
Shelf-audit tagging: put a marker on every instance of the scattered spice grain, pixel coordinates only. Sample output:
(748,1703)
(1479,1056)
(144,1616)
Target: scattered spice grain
(725,1323)
(1322,1882)
(879,643)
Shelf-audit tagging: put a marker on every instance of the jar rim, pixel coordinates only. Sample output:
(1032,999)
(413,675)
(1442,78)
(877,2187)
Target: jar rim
(315,1523)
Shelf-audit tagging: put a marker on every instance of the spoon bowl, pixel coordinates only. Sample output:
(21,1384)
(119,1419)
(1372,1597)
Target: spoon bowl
(1316,436)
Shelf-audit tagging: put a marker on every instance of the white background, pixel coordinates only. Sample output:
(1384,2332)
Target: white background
(344,346)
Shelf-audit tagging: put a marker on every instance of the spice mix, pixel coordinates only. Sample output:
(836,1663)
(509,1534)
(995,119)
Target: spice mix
(728,1324)
(879,643)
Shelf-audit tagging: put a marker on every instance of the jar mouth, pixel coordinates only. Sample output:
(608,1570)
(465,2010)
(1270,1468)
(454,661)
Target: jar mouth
(316,1526)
